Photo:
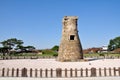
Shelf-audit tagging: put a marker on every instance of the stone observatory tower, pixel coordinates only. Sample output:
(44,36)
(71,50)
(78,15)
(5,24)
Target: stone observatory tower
(70,48)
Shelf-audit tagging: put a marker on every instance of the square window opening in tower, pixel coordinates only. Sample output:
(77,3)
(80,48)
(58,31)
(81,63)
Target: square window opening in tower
(72,37)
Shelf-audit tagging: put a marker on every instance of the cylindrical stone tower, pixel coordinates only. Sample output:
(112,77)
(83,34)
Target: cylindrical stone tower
(70,48)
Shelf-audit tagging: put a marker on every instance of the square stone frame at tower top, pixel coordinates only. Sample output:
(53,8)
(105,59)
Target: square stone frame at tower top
(70,48)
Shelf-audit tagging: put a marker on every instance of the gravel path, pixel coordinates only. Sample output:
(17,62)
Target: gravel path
(52,63)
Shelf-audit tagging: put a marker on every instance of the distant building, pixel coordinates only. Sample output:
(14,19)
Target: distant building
(116,50)
(104,49)
(96,50)
(92,50)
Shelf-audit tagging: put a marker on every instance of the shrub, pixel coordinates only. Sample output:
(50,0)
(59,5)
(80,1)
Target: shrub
(55,54)
(101,54)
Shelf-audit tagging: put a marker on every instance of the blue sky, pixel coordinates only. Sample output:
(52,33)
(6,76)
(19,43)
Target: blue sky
(39,22)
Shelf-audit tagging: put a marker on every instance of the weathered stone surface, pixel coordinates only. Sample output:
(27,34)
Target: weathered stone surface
(70,48)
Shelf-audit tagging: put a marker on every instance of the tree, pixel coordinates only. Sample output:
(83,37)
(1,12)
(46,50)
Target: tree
(30,48)
(4,50)
(26,49)
(12,43)
(15,45)
(114,44)
(55,48)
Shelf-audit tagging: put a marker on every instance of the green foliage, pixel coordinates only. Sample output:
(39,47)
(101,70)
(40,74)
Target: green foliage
(102,54)
(4,50)
(12,43)
(91,55)
(26,48)
(55,54)
(23,54)
(114,44)
(55,48)
(49,52)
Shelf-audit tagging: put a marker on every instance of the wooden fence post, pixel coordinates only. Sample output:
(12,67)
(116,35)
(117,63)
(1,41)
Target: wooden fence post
(40,72)
(81,70)
(59,72)
(36,72)
(31,72)
(93,72)
(119,71)
(86,72)
(110,72)
(51,72)
(46,72)
(100,72)
(3,72)
(13,72)
(17,72)
(24,72)
(105,72)
(8,72)
(71,72)
(114,69)
(65,72)
(76,72)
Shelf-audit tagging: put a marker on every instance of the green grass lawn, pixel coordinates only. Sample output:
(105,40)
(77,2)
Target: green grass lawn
(54,53)
(102,54)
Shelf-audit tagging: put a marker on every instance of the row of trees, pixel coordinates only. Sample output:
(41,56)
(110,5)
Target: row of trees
(14,44)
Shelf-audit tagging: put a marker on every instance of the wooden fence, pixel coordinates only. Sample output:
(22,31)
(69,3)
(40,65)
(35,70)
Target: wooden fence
(58,72)
(53,57)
